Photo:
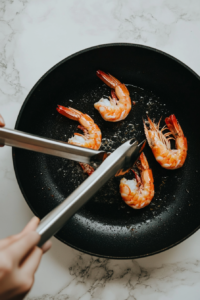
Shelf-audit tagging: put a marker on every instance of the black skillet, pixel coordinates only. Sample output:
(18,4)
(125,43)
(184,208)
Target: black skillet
(159,85)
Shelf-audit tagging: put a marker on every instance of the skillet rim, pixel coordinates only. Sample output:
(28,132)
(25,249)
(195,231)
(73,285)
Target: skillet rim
(21,112)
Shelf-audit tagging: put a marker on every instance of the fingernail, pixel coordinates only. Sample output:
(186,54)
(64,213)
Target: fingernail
(35,220)
(2,123)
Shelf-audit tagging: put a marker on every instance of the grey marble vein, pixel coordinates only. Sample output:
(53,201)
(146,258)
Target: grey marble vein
(97,278)
(10,86)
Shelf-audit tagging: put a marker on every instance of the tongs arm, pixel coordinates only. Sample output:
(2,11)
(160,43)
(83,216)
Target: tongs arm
(122,157)
(19,139)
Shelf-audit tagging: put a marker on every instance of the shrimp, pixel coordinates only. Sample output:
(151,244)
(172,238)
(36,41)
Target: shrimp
(92,133)
(119,106)
(138,192)
(168,158)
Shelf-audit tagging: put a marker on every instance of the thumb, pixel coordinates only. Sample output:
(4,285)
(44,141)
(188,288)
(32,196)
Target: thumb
(2,123)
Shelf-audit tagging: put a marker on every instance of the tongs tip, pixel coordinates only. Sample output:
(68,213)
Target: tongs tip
(142,145)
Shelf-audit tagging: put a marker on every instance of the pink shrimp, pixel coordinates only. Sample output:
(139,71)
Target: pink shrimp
(119,106)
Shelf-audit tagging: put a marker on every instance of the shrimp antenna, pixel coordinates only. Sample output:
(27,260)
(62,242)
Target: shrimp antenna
(159,122)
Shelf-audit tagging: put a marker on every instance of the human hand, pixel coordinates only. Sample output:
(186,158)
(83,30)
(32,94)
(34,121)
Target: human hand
(2,124)
(19,260)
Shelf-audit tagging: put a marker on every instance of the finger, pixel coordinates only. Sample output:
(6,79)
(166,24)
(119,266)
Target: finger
(7,241)
(2,123)
(23,246)
(31,226)
(32,261)
(46,246)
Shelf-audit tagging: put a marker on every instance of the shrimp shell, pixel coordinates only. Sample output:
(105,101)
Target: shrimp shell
(92,133)
(119,106)
(138,193)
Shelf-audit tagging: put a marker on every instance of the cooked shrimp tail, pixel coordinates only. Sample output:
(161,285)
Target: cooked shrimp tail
(160,143)
(119,106)
(108,79)
(143,161)
(69,112)
(138,192)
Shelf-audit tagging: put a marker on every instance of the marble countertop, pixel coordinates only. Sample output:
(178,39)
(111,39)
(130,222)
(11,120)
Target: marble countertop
(35,35)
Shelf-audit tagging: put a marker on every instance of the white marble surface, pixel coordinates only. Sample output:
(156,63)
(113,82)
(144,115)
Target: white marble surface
(36,34)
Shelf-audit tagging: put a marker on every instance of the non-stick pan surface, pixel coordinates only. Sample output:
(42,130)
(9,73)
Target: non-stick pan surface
(160,85)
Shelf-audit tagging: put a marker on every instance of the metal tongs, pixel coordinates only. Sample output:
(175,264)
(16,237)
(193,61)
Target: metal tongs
(122,158)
